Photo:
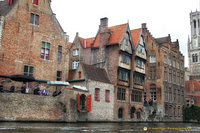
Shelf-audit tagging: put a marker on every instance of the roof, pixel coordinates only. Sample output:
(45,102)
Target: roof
(5,7)
(70,45)
(135,35)
(163,40)
(97,74)
(88,42)
(192,85)
(117,33)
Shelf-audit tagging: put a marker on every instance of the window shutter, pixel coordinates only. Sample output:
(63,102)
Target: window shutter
(89,101)
(9,2)
(78,101)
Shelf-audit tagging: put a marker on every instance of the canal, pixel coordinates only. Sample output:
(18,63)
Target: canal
(25,127)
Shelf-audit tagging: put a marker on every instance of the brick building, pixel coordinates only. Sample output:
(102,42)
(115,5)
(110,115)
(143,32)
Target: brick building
(164,78)
(95,94)
(32,41)
(192,92)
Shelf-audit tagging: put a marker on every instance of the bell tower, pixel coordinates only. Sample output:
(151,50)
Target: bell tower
(194,46)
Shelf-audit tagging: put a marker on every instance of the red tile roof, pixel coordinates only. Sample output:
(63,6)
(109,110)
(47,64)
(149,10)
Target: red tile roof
(117,33)
(135,35)
(89,41)
(70,45)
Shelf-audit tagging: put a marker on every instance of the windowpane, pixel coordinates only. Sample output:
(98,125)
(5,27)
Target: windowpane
(31,18)
(36,19)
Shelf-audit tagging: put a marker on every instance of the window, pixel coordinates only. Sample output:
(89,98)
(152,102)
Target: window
(97,94)
(125,59)
(28,70)
(153,93)
(182,82)
(181,66)
(34,19)
(152,59)
(35,2)
(138,79)
(75,52)
(174,64)
(123,75)
(170,94)
(140,49)
(59,75)
(75,64)
(165,59)
(178,65)
(45,50)
(107,96)
(121,93)
(174,95)
(59,53)
(1,24)
(194,58)
(179,96)
(165,73)
(188,103)
(166,109)
(126,41)
(194,23)
(138,115)
(170,63)
(170,75)
(140,63)
(174,77)
(136,96)
(166,93)
(79,74)
(153,72)
(178,78)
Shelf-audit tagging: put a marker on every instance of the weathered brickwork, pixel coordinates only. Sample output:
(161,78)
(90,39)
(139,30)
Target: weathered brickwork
(22,41)
(165,77)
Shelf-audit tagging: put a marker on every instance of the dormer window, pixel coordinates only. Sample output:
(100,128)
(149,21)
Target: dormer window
(35,2)
(140,49)
(126,41)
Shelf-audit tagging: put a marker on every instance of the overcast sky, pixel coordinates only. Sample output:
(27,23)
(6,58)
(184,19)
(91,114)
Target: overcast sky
(163,17)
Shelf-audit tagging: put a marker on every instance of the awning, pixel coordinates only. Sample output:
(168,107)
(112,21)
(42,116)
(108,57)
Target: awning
(80,87)
(58,83)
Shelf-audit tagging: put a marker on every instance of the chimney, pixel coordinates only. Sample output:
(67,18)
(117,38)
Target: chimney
(103,24)
(144,25)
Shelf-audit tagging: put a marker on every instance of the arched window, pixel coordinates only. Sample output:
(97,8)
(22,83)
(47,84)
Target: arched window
(120,113)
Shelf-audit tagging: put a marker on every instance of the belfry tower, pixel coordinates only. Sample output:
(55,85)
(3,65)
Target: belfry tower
(194,46)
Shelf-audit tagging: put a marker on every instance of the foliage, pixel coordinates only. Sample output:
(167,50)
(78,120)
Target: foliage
(192,113)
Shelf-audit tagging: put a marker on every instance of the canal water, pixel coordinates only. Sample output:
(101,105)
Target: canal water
(19,127)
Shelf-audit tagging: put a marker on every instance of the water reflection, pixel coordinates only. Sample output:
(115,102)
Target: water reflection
(98,127)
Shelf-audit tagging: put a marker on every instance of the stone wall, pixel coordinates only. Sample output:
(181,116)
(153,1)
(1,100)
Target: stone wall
(28,107)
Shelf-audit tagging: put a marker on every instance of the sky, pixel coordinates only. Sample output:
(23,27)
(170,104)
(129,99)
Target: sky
(162,17)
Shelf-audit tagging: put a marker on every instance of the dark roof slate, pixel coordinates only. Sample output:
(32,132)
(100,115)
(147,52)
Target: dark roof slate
(163,40)
(97,74)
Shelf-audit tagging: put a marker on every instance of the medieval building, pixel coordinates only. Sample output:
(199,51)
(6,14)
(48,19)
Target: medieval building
(164,78)
(32,42)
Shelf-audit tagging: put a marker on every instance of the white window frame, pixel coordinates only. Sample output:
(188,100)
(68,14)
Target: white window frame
(75,64)
(1,24)
(75,52)
(152,59)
